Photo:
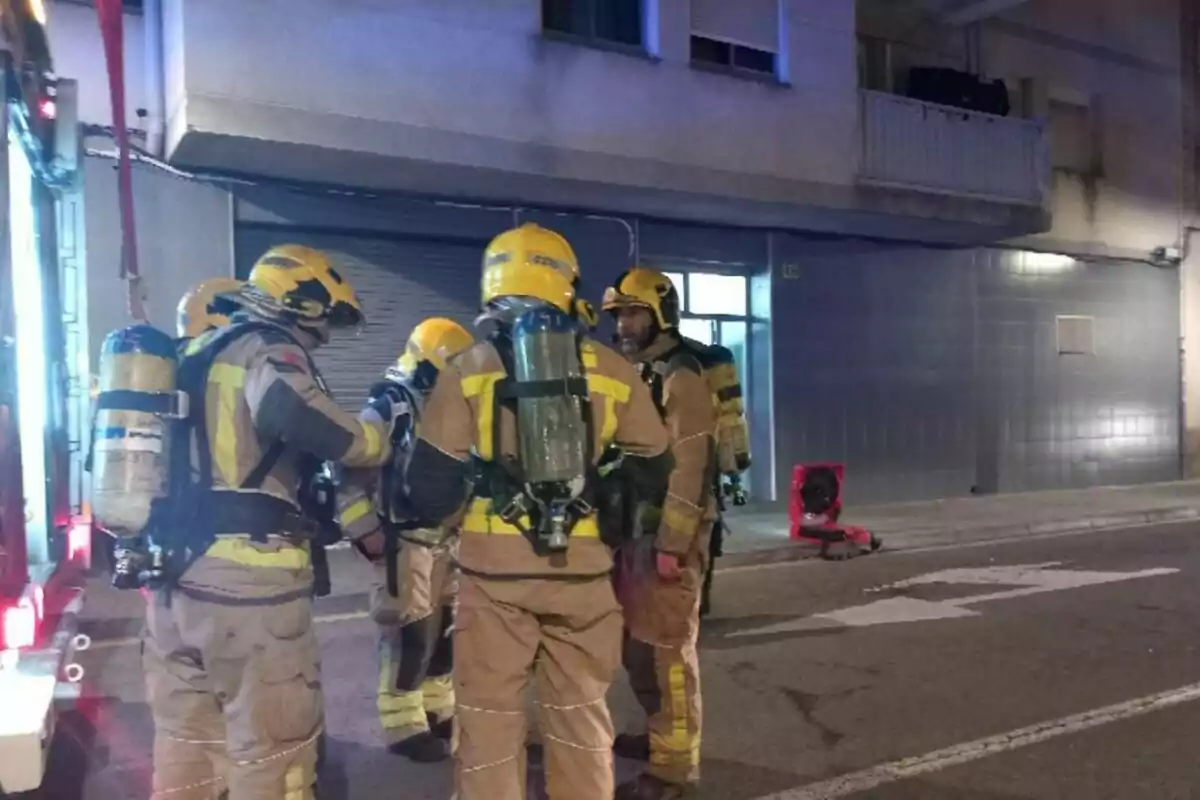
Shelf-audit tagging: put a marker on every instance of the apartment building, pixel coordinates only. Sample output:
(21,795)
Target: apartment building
(947,299)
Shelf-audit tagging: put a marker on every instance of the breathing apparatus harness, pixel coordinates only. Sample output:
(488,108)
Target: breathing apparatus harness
(185,523)
(552,507)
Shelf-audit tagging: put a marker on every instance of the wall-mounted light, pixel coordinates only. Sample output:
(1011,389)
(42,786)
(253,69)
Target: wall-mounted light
(1034,263)
(37,10)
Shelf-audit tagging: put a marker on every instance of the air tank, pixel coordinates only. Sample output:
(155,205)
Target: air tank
(131,435)
(552,434)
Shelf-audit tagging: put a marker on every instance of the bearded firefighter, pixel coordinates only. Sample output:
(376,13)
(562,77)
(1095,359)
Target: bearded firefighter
(662,573)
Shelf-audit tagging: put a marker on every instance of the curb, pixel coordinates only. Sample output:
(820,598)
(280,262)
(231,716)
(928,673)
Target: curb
(900,540)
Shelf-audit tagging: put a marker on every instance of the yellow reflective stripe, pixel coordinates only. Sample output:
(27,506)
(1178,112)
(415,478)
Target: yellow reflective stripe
(475,384)
(240,550)
(372,443)
(390,702)
(608,430)
(602,384)
(587,353)
(402,710)
(482,386)
(298,782)
(613,391)
(355,511)
(438,694)
(680,517)
(680,746)
(479,519)
(677,681)
(385,669)
(229,380)
(396,709)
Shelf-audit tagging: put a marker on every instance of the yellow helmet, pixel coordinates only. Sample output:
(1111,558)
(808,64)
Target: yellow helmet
(531,261)
(304,283)
(435,340)
(645,288)
(586,312)
(205,306)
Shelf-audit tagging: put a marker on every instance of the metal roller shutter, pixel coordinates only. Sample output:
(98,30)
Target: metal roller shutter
(400,283)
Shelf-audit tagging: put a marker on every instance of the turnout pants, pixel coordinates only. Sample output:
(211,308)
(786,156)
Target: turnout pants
(235,691)
(662,626)
(415,648)
(567,635)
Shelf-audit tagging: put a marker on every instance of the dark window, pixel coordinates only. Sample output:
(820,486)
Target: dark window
(605,20)
(735,56)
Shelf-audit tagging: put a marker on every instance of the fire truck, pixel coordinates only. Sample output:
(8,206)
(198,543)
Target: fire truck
(45,533)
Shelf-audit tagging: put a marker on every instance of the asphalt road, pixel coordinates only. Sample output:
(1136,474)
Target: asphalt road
(945,682)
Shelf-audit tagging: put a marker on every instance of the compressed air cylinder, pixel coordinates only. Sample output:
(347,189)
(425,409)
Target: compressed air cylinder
(131,444)
(551,429)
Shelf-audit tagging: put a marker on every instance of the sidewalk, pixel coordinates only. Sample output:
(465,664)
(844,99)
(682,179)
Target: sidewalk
(759,536)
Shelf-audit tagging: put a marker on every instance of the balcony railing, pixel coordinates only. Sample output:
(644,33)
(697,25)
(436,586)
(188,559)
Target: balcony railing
(912,144)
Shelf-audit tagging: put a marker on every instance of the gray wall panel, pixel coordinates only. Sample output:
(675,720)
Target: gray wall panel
(932,371)
(184,233)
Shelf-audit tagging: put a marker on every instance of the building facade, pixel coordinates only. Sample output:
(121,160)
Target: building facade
(948,301)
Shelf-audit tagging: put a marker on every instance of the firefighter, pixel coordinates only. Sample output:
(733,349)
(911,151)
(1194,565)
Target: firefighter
(412,599)
(230,654)
(535,598)
(206,306)
(662,611)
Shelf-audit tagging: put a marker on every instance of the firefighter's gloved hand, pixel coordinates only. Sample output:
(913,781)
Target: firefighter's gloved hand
(372,545)
(667,566)
(388,407)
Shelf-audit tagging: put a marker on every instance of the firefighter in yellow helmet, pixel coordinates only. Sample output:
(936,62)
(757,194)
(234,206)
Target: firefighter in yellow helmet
(525,415)
(230,654)
(206,306)
(412,599)
(662,612)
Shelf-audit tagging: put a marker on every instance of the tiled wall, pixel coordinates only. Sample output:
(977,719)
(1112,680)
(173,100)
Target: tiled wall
(931,372)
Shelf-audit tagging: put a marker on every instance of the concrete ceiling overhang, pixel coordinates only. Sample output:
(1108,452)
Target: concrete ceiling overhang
(849,210)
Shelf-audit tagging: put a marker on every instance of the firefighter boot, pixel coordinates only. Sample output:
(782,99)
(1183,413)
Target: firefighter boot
(403,695)
(648,787)
(438,687)
(424,748)
(634,746)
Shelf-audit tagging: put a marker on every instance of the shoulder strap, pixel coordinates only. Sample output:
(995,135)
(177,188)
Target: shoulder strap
(193,377)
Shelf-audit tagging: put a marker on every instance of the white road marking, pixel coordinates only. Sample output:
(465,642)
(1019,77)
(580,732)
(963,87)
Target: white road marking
(1031,578)
(982,748)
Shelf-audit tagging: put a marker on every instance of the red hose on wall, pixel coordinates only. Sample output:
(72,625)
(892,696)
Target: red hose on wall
(111,17)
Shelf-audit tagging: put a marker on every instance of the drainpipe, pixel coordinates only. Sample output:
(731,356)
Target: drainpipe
(156,125)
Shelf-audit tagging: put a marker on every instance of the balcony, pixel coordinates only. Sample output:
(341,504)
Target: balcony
(911,144)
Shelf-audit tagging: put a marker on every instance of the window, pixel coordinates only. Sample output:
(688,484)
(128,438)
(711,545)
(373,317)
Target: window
(709,293)
(618,21)
(742,36)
